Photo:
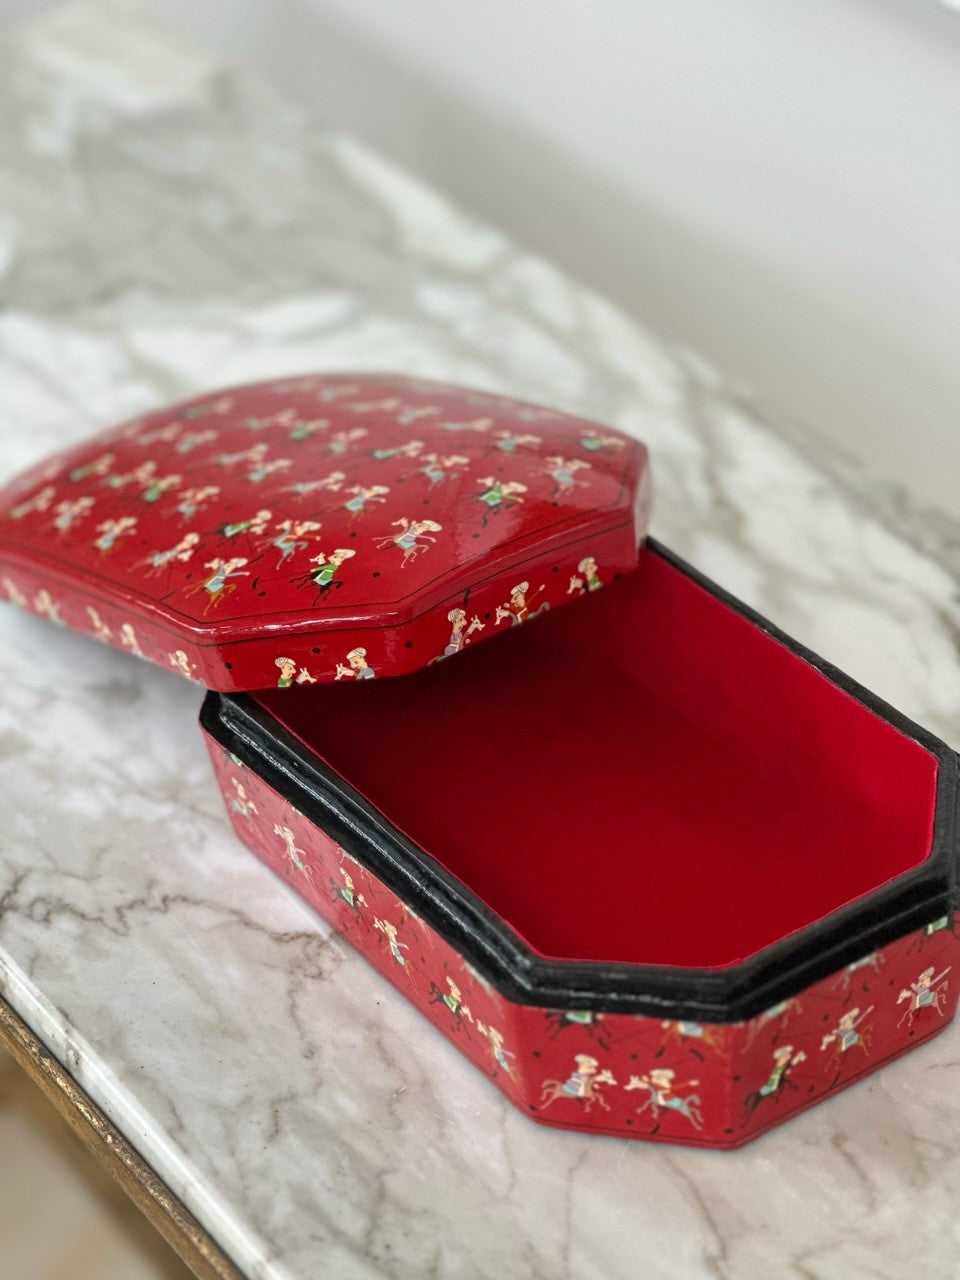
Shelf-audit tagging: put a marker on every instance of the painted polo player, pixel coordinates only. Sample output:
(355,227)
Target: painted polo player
(583,1085)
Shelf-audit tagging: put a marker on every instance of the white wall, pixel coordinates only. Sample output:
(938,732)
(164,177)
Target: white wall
(775,183)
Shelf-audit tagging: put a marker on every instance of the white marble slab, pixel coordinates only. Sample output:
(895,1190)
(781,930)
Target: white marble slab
(165,227)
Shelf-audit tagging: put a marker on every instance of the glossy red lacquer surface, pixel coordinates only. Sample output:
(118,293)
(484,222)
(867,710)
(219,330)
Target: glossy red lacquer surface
(705,1084)
(321,528)
(648,777)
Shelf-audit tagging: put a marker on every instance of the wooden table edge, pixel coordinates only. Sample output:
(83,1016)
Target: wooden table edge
(126,1166)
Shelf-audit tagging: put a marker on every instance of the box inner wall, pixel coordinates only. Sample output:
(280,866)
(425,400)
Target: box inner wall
(644,776)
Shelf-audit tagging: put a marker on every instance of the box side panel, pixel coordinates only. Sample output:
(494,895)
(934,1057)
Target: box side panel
(844,1027)
(716,1085)
(101,615)
(303,653)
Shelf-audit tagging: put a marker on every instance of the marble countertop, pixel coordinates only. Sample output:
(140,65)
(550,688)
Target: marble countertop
(165,227)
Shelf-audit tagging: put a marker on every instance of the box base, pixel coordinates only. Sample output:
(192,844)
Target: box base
(716,1085)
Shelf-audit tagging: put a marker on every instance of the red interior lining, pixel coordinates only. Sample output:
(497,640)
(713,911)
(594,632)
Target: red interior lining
(642,776)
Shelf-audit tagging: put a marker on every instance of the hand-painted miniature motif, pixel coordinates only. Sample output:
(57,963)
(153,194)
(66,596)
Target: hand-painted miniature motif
(260,470)
(128,640)
(191,440)
(928,992)
(785,1059)
(13,593)
(144,477)
(289,674)
(217,584)
(583,1084)
(415,536)
(98,467)
(331,482)
(535,413)
(501,1055)
(781,1014)
(68,512)
(364,495)
(510,441)
(396,947)
(411,449)
(563,472)
(327,394)
(303,429)
(284,419)
(180,553)
(945,924)
(357,667)
(482,425)
(692,1035)
(158,487)
(340,441)
(586,1019)
(254,455)
(594,441)
(517,608)
(439,467)
(100,629)
(844,979)
(324,571)
(181,663)
(193,500)
(256,524)
(39,502)
(259,465)
(849,1033)
(461,633)
(347,892)
(240,802)
(292,852)
(156,435)
(497,494)
(589,579)
(387,405)
(453,999)
(219,405)
(407,416)
(46,606)
(937,926)
(293,536)
(111,530)
(662,1087)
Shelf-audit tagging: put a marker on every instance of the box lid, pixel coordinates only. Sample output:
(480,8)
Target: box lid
(328,527)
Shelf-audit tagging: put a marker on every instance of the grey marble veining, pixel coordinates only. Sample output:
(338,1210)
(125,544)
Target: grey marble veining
(164,227)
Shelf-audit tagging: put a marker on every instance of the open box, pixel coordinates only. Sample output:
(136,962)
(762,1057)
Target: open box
(653,867)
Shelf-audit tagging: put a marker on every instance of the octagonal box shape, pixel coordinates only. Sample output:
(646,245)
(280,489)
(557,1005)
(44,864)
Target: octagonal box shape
(334,526)
(656,869)
(653,867)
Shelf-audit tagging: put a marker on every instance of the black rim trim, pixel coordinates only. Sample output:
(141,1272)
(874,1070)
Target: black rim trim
(733,994)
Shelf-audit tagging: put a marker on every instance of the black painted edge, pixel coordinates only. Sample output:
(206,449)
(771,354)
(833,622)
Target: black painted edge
(732,994)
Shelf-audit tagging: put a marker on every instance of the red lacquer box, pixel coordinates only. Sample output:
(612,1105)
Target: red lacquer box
(655,868)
